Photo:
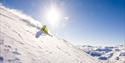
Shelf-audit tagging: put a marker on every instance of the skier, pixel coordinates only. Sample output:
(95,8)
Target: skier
(43,30)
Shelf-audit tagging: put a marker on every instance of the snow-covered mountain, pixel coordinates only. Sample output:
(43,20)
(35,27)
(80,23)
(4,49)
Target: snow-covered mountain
(115,54)
(18,43)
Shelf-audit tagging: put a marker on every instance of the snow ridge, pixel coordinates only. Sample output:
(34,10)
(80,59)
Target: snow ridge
(21,15)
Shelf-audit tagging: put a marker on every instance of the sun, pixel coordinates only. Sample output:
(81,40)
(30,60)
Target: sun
(53,15)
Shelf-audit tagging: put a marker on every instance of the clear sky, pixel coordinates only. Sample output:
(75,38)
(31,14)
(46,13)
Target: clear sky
(93,22)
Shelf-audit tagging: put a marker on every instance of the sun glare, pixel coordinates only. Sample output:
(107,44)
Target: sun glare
(53,16)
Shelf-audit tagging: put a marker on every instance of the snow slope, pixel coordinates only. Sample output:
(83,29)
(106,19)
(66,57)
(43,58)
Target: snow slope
(19,45)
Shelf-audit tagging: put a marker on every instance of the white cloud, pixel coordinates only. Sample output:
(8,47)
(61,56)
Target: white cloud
(65,21)
(66,18)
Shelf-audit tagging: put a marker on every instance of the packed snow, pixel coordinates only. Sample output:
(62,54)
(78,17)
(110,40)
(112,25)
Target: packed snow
(18,43)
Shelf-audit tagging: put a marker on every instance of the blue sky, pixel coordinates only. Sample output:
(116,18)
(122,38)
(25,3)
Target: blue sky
(93,22)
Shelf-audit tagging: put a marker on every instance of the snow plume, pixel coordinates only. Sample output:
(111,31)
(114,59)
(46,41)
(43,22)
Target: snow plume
(23,16)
